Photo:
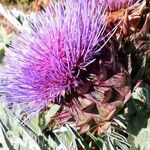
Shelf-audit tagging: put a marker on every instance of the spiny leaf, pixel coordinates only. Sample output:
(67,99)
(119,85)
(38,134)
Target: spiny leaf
(81,141)
(4,131)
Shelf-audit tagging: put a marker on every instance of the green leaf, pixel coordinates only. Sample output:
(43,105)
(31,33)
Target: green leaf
(139,129)
(143,138)
(5,136)
(80,140)
(141,69)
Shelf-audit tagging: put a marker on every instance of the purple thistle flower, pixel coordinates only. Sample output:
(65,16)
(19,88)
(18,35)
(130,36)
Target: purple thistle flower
(41,61)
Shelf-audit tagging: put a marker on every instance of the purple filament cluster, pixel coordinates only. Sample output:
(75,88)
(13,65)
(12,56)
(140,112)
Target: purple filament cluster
(40,63)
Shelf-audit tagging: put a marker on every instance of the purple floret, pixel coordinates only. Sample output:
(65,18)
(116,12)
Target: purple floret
(41,61)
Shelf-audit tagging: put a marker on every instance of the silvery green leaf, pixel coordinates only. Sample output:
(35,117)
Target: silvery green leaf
(4,38)
(10,17)
(3,141)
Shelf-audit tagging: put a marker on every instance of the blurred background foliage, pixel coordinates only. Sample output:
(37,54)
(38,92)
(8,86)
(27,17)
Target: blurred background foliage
(16,1)
(25,5)
(21,4)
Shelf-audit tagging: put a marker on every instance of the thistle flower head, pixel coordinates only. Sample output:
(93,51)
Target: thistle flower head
(41,61)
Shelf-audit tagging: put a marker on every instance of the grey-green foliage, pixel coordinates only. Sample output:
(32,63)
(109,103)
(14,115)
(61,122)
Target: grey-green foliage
(14,16)
(17,19)
(139,129)
(15,135)
(4,39)
(139,123)
(2,54)
(112,139)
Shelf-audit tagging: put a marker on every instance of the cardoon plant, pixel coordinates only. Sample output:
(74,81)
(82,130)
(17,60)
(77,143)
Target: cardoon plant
(114,74)
(45,60)
(65,56)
